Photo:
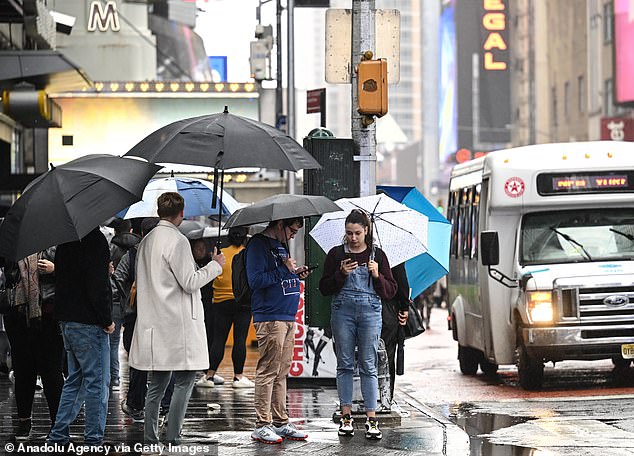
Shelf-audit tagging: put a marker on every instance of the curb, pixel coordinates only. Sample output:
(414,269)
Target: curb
(455,440)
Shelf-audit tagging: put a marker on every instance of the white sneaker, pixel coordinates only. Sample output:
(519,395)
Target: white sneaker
(218,380)
(372,430)
(346,425)
(204,382)
(266,434)
(12,376)
(243,383)
(290,432)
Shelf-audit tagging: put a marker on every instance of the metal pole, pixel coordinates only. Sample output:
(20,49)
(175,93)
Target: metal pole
(290,96)
(475,101)
(279,96)
(363,137)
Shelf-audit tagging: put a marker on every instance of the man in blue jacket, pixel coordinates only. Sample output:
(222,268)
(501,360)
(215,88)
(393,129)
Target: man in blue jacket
(274,279)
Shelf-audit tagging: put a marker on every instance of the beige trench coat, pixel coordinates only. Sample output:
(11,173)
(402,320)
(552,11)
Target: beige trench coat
(170,328)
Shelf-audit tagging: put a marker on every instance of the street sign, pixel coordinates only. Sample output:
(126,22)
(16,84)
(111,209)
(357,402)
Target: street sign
(313,100)
(387,27)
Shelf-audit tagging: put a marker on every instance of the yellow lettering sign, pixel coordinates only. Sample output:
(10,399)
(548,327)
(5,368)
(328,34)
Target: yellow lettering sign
(494,41)
(494,21)
(493,5)
(491,64)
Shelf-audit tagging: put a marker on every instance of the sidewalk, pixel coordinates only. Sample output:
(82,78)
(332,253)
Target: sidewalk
(225,429)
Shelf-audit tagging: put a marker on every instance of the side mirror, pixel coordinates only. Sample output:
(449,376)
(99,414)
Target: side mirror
(489,248)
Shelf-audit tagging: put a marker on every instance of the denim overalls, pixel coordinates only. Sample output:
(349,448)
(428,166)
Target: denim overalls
(356,322)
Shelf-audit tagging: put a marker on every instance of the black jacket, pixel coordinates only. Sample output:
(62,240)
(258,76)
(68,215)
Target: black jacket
(83,292)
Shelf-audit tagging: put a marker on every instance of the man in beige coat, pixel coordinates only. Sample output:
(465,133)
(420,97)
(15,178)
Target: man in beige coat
(169,336)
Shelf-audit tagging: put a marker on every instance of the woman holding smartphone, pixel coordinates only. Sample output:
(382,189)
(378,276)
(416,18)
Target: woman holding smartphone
(358,274)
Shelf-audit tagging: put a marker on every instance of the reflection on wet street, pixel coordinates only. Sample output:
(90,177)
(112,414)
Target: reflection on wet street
(479,425)
(223,418)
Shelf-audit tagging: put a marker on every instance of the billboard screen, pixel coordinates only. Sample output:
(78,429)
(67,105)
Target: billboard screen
(448,114)
(623,53)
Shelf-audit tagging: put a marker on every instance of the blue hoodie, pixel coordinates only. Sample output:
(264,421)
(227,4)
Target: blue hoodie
(275,289)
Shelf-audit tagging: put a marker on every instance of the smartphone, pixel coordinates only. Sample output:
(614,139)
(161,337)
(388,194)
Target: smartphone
(306,269)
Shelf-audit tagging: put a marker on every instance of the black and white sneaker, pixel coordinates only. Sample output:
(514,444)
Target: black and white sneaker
(23,430)
(346,425)
(372,430)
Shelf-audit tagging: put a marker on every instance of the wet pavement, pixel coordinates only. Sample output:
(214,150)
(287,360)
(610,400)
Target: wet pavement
(219,420)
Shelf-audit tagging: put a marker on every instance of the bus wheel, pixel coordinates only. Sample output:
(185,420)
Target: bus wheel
(530,370)
(490,369)
(468,358)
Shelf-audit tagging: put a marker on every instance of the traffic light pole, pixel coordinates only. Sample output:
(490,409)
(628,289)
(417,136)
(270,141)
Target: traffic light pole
(290,97)
(363,136)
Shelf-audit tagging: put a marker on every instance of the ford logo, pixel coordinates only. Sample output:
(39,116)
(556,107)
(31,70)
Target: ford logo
(616,300)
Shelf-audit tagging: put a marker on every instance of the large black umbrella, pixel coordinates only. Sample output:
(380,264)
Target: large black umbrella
(224,141)
(280,207)
(70,200)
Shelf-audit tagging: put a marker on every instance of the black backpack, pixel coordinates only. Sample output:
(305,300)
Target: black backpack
(239,282)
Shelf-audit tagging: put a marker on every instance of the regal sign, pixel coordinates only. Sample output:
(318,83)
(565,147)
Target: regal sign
(494,23)
(617,129)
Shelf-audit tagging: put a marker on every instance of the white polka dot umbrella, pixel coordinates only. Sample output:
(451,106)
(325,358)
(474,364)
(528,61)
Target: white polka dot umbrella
(398,230)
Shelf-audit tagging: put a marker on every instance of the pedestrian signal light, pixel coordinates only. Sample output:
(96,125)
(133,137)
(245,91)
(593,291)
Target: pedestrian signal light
(372,87)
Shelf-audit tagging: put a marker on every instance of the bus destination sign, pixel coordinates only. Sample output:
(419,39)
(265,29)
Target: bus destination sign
(592,182)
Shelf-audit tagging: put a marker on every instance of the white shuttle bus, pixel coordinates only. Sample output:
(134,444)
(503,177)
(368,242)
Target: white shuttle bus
(542,257)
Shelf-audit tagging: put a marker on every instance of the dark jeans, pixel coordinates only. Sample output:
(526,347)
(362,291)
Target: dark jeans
(209,312)
(36,348)
(137,391)
(227,313)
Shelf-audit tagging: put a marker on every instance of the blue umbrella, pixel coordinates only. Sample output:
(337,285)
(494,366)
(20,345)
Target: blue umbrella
(425,269)
(197,193)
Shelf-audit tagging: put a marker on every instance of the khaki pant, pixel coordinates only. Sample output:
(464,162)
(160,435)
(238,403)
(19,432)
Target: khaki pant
(275,346)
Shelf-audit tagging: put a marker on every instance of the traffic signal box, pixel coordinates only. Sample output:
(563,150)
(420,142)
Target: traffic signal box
(372,87)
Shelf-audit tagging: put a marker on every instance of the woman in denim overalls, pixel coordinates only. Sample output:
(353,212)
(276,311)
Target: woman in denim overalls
(358,275)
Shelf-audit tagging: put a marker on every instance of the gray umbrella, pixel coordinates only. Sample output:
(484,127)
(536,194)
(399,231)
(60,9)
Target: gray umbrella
(69,201)
(280,207)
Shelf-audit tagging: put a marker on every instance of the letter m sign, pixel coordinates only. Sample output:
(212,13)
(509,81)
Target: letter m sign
(103,17)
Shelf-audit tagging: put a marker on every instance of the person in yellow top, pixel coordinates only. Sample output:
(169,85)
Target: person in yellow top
(227,312)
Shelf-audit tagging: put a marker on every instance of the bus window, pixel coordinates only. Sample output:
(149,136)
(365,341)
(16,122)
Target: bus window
(453,218)
(574,236)
(465,209)
(475,216)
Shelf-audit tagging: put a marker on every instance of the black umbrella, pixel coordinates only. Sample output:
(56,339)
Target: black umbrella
(281,207)
(70,200)
(223,141)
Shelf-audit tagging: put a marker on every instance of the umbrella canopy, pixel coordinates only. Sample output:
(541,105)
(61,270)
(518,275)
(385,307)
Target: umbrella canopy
(398,230)
(197,193)
(224,141)
(280,207)
(423,270)
(67,202)
(193,229)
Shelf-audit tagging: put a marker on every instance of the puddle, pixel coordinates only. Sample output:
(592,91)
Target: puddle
(478,425)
